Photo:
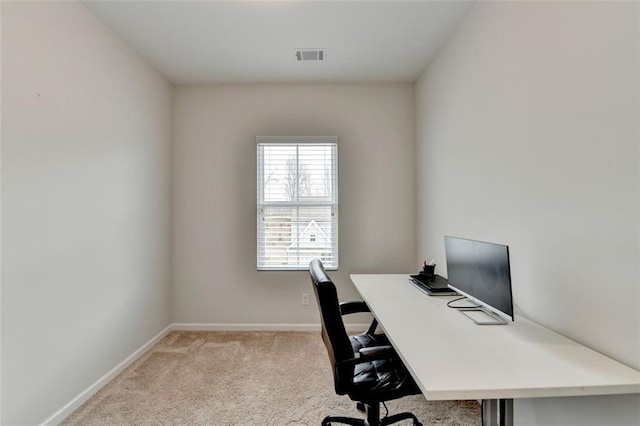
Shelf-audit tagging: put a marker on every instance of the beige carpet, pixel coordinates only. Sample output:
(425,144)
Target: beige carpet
(251,378)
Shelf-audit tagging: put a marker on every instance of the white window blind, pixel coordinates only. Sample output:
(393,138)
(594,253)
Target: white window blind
(297,201)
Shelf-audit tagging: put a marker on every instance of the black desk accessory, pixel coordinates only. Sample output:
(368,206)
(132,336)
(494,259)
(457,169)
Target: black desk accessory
(434,283)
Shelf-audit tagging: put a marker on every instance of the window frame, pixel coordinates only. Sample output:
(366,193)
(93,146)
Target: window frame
(332,202)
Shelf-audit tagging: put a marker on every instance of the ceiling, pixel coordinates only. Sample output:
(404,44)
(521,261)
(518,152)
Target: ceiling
(192,42)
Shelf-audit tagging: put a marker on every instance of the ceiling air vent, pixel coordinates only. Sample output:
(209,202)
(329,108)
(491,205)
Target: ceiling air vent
(311,54)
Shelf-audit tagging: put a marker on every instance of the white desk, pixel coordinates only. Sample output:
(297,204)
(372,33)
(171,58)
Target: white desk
(452,358)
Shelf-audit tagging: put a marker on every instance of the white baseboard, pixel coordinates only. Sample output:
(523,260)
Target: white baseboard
(65,411)
(355,328)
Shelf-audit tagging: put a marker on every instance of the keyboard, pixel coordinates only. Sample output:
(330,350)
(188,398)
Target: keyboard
(436,285)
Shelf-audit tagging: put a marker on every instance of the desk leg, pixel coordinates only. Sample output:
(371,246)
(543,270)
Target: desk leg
(506,412)
(490,414)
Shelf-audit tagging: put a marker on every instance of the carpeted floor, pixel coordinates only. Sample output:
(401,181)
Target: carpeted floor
(249,378)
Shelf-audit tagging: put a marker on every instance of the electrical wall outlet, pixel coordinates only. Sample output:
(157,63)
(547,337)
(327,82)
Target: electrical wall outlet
(305,298)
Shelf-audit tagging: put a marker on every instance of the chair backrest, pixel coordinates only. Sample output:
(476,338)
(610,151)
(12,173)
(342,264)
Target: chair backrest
(334,334)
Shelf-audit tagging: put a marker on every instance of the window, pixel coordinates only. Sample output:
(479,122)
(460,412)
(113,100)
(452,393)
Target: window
(297,201)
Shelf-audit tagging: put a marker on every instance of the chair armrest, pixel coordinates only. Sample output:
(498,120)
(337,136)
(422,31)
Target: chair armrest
(353,307)
(373,353)
(356,306)
(375,350)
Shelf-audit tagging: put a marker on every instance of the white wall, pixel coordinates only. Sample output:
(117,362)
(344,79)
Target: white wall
(527,128)
(86,140)
(215,278)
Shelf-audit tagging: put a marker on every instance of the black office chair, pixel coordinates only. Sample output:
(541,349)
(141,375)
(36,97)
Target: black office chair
(365,367)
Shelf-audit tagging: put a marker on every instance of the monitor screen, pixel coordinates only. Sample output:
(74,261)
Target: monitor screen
(481,271)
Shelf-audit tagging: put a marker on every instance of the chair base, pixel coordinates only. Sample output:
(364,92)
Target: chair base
(373,417)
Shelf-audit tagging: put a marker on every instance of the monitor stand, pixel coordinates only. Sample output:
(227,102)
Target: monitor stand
(482,316)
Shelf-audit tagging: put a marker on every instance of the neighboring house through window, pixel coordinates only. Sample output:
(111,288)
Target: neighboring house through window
(297,200)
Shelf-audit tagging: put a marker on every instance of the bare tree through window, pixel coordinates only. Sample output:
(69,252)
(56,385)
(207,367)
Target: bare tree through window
(297,179)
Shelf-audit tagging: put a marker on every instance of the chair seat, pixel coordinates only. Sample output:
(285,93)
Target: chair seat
(379,380)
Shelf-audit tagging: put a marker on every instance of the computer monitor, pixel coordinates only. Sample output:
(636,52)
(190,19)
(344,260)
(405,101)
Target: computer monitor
(481,272)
